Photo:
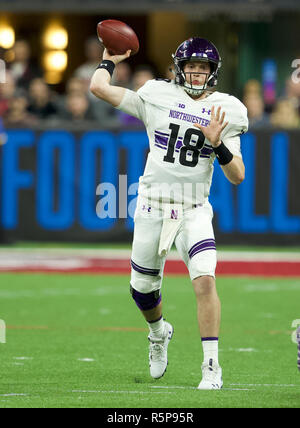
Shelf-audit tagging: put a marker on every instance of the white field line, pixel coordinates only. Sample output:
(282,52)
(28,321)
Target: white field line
(14,395)
(231,387)
(86,360)
(22,358)
(196,389)
(120,392)
(172,387)
(165,390)
(267,384)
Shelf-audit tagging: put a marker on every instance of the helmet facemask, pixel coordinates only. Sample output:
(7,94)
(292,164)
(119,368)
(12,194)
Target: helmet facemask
(192,89)
(181,77)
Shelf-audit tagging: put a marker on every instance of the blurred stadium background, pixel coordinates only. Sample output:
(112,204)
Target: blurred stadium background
(61,142)
(58,143)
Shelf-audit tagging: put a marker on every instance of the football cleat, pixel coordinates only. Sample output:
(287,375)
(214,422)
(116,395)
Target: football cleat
(158,352)
(298,342)
(211,376)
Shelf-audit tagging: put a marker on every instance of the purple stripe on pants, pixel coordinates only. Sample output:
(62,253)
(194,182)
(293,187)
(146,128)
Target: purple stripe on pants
(201,242)
(206,244)
(145,271)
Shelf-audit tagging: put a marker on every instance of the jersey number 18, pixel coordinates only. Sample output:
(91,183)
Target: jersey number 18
(187,146)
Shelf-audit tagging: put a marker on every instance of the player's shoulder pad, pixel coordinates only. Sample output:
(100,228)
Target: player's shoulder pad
(156,92)
(147,88)
(229,99)
(241,112)
(235,101)
(148,85)
(236,112)
(237,108)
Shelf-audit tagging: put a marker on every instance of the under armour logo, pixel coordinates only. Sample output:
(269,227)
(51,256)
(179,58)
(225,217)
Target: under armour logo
(206,111)
(148,209)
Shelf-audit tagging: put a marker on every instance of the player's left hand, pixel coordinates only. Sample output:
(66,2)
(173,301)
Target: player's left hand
(213,131)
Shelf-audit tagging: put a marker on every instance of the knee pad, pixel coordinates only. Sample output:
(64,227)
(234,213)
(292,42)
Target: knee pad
(146,301)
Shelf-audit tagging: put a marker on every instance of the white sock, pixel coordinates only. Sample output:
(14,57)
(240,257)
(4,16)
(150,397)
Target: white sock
(210,349)
(157,328)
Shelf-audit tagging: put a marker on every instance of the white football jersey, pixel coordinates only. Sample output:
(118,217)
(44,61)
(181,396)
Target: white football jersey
(179,167)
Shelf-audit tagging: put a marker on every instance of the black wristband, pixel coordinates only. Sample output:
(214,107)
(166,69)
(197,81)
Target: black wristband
(107,65)
(223,154)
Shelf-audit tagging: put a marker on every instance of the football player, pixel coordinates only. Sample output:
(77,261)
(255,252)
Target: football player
(188,126)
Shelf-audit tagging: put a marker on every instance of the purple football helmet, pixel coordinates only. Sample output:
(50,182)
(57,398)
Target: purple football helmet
(196,49)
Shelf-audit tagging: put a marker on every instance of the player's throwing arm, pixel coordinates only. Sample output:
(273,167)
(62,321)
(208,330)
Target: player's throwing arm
(120,42)
(100,83)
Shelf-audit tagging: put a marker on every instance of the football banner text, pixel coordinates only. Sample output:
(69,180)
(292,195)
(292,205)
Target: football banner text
(62,185)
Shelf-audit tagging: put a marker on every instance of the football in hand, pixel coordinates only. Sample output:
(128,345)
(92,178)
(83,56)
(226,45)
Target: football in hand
(117,37)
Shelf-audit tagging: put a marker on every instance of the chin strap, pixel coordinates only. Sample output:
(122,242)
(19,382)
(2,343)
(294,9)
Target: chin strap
(193,91)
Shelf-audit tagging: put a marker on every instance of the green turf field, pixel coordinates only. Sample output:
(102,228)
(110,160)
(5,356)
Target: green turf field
(79,341)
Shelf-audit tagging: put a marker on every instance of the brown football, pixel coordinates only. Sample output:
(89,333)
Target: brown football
(117,37)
